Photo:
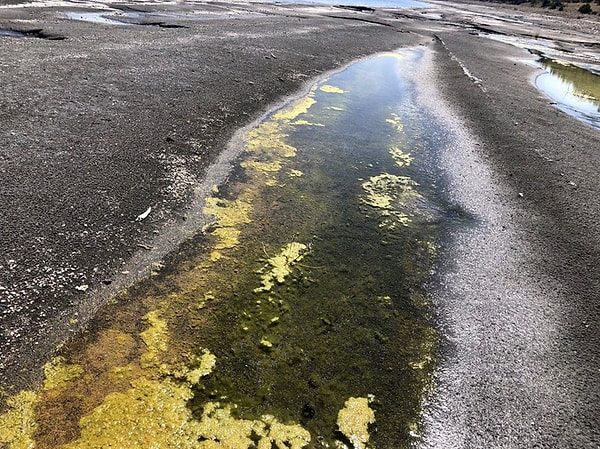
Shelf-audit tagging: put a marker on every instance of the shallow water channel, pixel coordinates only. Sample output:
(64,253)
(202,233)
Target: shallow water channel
(299,317)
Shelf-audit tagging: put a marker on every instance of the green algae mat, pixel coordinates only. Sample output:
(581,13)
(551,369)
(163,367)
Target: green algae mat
(297,318)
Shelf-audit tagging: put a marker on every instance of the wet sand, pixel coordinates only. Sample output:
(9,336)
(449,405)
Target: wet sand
(515,294)
(519,299)
(112,120)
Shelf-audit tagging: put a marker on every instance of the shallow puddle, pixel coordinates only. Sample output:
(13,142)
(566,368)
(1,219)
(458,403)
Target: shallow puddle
(299,317)
(12,33)
(576,91)
(106,18)
(40,34)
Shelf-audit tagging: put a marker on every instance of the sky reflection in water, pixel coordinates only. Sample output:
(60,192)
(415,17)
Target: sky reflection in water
(576,91)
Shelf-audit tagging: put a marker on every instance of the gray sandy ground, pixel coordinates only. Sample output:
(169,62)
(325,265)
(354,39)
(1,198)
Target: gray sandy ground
(113,119)
(518,294)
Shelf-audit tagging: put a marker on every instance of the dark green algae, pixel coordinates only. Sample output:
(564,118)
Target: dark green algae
(352,318)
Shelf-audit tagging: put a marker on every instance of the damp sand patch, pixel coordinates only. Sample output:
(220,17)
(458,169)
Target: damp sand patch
(297,318)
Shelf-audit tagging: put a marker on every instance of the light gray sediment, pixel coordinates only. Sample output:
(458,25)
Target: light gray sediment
(498,316)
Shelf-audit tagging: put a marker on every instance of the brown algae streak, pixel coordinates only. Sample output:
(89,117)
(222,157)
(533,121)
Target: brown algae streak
(297,318)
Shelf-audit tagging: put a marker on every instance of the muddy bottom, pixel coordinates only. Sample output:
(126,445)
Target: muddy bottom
(300,317)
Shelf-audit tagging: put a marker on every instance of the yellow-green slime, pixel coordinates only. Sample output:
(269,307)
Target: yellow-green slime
(332,89)
(57,374)
(281,265)
(393,196)
(18,424)
(229,216)
(354,419)
(395,122)
(401,158)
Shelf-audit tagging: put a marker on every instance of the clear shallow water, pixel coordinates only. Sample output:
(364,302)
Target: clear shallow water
(360,190)
(576,91)
(106,18)
(11,33)
(300,316)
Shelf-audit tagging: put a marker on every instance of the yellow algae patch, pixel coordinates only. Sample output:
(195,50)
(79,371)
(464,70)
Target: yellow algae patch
(151,414)
(332,89)
(385,300)
(267,167)
(281,265)
(401,158)
(229,214)
(155,414)
(306,123)
(299,107)
(384,188)
(155,338)
(291,436)
(228,237)
(354,419)
(57,373)
(220,430)
(204,366)
(295,173)
(18,424)
(395,121)
(266,343)
(393,195)
(267,138)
